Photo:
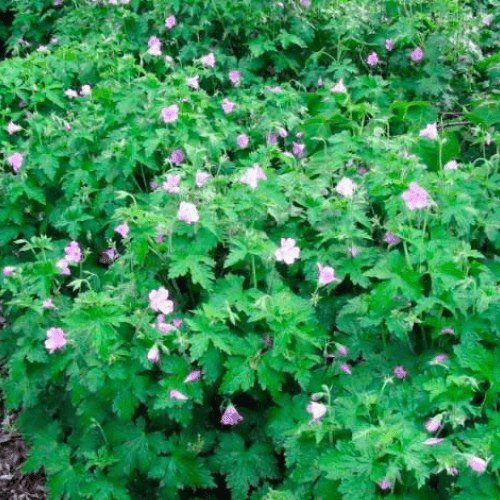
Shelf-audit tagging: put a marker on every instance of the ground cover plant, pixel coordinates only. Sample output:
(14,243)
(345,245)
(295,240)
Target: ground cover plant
(249,249)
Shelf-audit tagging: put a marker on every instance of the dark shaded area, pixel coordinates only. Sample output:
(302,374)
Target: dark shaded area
(6,20)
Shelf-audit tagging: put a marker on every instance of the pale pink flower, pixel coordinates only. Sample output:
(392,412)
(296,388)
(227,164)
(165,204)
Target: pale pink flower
(253,175)
(122,230)
(288,252)
(326,274)
(346,368)
(227,106)
(432,441)
(448,331)
(62,265)
(85,90)
(177,156)
(354,251)
(15,161)
(175,394)
(451,165)
(55,339)
(299,134)
(170,113)
(320,82)
(488,140)
(193,82)
(389,44)
(346,187)
(305,3)
(171,185)
(372,59)
(282,132)
(201,178)
(274,90)
(42,48)
(339,87)
(70,93)
(159,301)
(342,350)
(234,77)
(162,326)
(417,55)
(177,322)
(384,484)
(48,304)
(73,252)
(154,41)
(272,139)
(317,410)
(208,60)
(298,149)
(194,375)
(242,140)
(170,22)
(430,131)
(187,213)
(12,128)
(477,464)
(487,20)
(416,197)
(433,424)
(154,355)
(231,416)
(400,372)
(168,60)
(67,126)
(391,238)
(452,471)
(8,270)
(440,358)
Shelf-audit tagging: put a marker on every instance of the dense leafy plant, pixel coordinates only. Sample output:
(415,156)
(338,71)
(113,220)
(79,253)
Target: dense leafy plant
(250,251)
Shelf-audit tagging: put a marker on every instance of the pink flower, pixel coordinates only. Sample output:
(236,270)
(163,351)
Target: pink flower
(227,106)
(451,165)
(231,416)
(272,139)
(477,464)
(298,149)
(342,350)
(67,126)
(161,326)
(253,175)
(234,77)
(85,90)
(317,410)
(391,238)
(288,252)
(354,251)
(12,128)
(346,187)
(242,140)
(42,48)
(168,60)
(187,213)
(8,270)
(416,197)
(384,484)
(326,274)
(274,90)
(448,331)
(55,339)
(433,441)
(346,368)
(320,82)
(63,267)
(170,114)
(170,22)
(177,156)
(372,59)
(417,55)
(487,20)
(201,178)
(71,94)
(440,358)
(193,82)
(339,87)
(177,322)
(400,372)
(154,355)
(15,161)
(73,252)
(122,230)
(159,302)
(452,471)
(153,40)
(433,424)
(282,132)
(48,304)
(194,375)
(175,394)
(305,3)
(389,44)
(430,131)
(171,185)
(208,60)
